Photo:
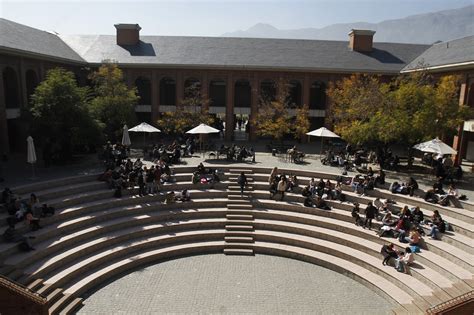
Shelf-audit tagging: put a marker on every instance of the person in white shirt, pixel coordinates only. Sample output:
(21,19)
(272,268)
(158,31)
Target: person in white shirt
(451,196)
(404,260)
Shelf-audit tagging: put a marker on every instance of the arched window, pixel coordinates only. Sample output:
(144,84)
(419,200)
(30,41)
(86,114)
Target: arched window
(31,83)
(217,93)
(144,90)
(294,93)
(191,85)
(167,91)
(317,95)
(268,90)
(242,94)
(10,87)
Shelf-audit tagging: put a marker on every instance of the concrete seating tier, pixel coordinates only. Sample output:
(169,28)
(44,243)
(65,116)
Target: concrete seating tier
(94,237)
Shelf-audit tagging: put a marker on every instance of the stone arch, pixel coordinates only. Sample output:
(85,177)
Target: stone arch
(167,91)
(11,88)
(268,89)
(217,93)
(31,83)
(242,93)
(294,93)
(317,99)
(143,85)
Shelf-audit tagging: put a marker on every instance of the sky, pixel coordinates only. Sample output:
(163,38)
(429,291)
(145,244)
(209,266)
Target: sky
(208,18)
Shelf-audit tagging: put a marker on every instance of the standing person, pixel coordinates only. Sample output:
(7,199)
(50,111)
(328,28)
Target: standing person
(370,212)
(282,187)
(141,183)
(355,213)
(242,181)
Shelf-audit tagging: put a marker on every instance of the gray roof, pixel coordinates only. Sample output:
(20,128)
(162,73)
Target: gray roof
(252,53)
(446,53)
(21,38)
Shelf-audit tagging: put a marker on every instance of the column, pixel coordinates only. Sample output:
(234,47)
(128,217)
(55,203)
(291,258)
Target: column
(179,89)
(306,89)
(4,144)
(155,96)
(255,86)
(459,144)
(22,84)
(205,90)
(229,113)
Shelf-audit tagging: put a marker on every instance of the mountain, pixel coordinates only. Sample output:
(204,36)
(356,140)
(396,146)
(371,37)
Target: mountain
(421,29)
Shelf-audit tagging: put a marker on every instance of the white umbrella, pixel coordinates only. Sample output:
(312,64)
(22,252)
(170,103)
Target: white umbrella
(31,154)
(202,129)
(126,137)
(435,146)
(145,128)
(322,132)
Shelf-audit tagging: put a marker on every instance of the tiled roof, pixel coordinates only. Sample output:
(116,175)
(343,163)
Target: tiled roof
(453,52)
(254,53)
(21,38)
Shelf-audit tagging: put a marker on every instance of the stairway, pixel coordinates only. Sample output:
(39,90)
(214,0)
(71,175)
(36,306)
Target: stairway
(239,227)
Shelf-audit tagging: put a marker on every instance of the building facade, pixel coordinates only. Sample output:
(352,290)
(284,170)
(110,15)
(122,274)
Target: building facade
(232,72)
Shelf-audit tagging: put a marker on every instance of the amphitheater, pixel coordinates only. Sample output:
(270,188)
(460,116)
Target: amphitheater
(95,238)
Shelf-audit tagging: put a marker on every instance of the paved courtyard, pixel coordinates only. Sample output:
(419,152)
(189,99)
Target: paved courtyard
(235,284)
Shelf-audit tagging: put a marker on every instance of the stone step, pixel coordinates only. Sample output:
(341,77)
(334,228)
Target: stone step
(232,227)
(59,304)
(239,239)
(238,171)
(35,284)
(237,188)
(233,196)
(239,217)
(55,295)
(45,289)
(72,307)
(240,206)
(238,251)
(234,179)
(240,211)
(239,201)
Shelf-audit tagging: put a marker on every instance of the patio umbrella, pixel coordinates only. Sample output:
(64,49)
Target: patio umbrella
(435,146)
(31,154)
(202,129)
(145,128)
(322,132)
(126,137)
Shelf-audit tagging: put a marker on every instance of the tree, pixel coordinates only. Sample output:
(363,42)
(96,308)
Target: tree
(59,113)
(189,115)
(114,103)
(273,118)
(358,105)
(410,109)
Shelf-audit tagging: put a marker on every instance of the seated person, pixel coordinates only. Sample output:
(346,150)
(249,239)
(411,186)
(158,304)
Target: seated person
(417,215)
(32,221)
(451,197)
(195,178)
(306,192)
(413,238)
(292,182)
(201,169)
(388,219)
(7,196)
(184,196)
(308,201)
(388,251)
(431,195)
(321,204)
(437,225)
(170,197)
(138,164)
(404,260)
(412,185)
(380,178)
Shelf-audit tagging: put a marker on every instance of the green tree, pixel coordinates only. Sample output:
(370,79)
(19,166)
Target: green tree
(114,103)
(273,118)
(59,113)
(410,109)
(189,115)
(359,107)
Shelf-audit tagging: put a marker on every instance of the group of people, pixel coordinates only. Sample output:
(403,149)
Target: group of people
(27,211)
(236,153)
(124,173)
(202,175)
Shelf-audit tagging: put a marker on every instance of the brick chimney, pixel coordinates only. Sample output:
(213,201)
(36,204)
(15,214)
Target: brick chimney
(128,34)
(361,40)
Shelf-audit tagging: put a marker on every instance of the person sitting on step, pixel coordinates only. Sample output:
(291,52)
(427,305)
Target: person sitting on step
(388,251)
(404,260)
(320,203)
